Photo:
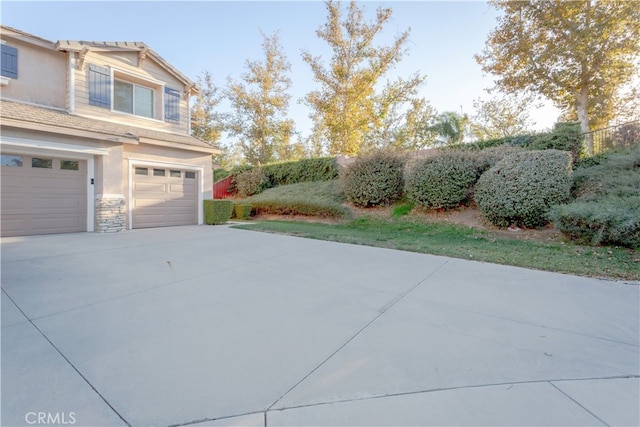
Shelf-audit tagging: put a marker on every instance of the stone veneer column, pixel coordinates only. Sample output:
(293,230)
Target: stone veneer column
(110,214)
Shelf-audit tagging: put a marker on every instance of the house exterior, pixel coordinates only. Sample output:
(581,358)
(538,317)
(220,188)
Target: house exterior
(95,136)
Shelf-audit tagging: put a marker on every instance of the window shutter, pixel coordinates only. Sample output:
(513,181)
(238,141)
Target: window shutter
(99,86)
(9,62)
(171,105)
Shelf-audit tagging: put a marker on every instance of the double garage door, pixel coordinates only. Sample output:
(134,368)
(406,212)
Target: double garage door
(42,195)
(164,197)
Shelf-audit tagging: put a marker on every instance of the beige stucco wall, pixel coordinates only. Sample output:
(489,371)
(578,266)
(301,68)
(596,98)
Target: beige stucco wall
(41,75)
(150,74)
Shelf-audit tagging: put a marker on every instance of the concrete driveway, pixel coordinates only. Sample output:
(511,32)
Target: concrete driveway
(213,326)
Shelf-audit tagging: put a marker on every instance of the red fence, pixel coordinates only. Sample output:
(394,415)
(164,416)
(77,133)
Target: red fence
(221,189)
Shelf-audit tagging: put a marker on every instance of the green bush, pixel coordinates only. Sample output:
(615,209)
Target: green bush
(612,174)
(242,210)
(250,182)
(522,188)
(488,157)
(442,181)
(323,199)
(612,221)
(220,174)
(606,209)
(564,137)
(217,211)
(374,179)
(305,170)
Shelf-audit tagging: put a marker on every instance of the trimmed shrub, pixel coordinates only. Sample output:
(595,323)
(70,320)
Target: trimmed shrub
(305,170)
(564,137)
(374,179)
(250,182)
(442,181)
(488,157)
(522,188)
(242,210)
(614,221)
(217,211)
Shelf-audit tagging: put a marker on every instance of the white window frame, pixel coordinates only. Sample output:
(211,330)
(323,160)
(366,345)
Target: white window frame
(156,86)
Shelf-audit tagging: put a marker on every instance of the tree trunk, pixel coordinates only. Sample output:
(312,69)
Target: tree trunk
(582,107)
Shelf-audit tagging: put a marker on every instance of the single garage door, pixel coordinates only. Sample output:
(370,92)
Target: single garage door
(164,197)
(43,195)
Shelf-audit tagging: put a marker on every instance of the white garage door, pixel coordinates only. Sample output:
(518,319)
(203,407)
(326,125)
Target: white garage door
(43,195)
(164,197)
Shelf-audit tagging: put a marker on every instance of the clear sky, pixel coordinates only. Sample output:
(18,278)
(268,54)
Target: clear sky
(219,36)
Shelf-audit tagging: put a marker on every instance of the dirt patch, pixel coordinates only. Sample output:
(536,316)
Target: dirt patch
(469,216)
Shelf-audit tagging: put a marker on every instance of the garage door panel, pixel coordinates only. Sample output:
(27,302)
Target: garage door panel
(60,202)
(181,203)
(164,200)
(49,223)
(43,200)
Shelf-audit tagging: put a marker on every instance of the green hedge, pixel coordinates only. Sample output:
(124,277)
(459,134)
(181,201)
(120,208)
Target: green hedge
(564,137)
(305,170)
(217,211)
(220,174)
(242,210)
(442,181)
(613,221)
(374,179)
(522,188)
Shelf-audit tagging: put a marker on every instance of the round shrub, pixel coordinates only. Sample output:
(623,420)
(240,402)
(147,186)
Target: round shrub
(250,182)
(442,181)
(522,188)
(488,157)
(374,179)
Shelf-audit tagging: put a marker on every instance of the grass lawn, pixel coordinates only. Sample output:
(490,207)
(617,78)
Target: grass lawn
(458,241)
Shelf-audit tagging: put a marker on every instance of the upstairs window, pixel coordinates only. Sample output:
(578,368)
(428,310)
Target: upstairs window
(133,99)
(127,93)
(9,62)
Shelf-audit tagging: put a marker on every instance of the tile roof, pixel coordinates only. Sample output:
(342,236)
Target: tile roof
(62,119)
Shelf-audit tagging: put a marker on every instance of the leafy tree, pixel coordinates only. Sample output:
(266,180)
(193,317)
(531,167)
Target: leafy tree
(451,127)
(576,53)
(346,107)
(406,127)
(206,122)
(260,102)
(501,116)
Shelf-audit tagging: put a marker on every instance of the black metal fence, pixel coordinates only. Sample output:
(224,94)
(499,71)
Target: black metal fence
(613,138)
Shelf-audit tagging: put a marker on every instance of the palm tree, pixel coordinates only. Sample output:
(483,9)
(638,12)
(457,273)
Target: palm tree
(451,127)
